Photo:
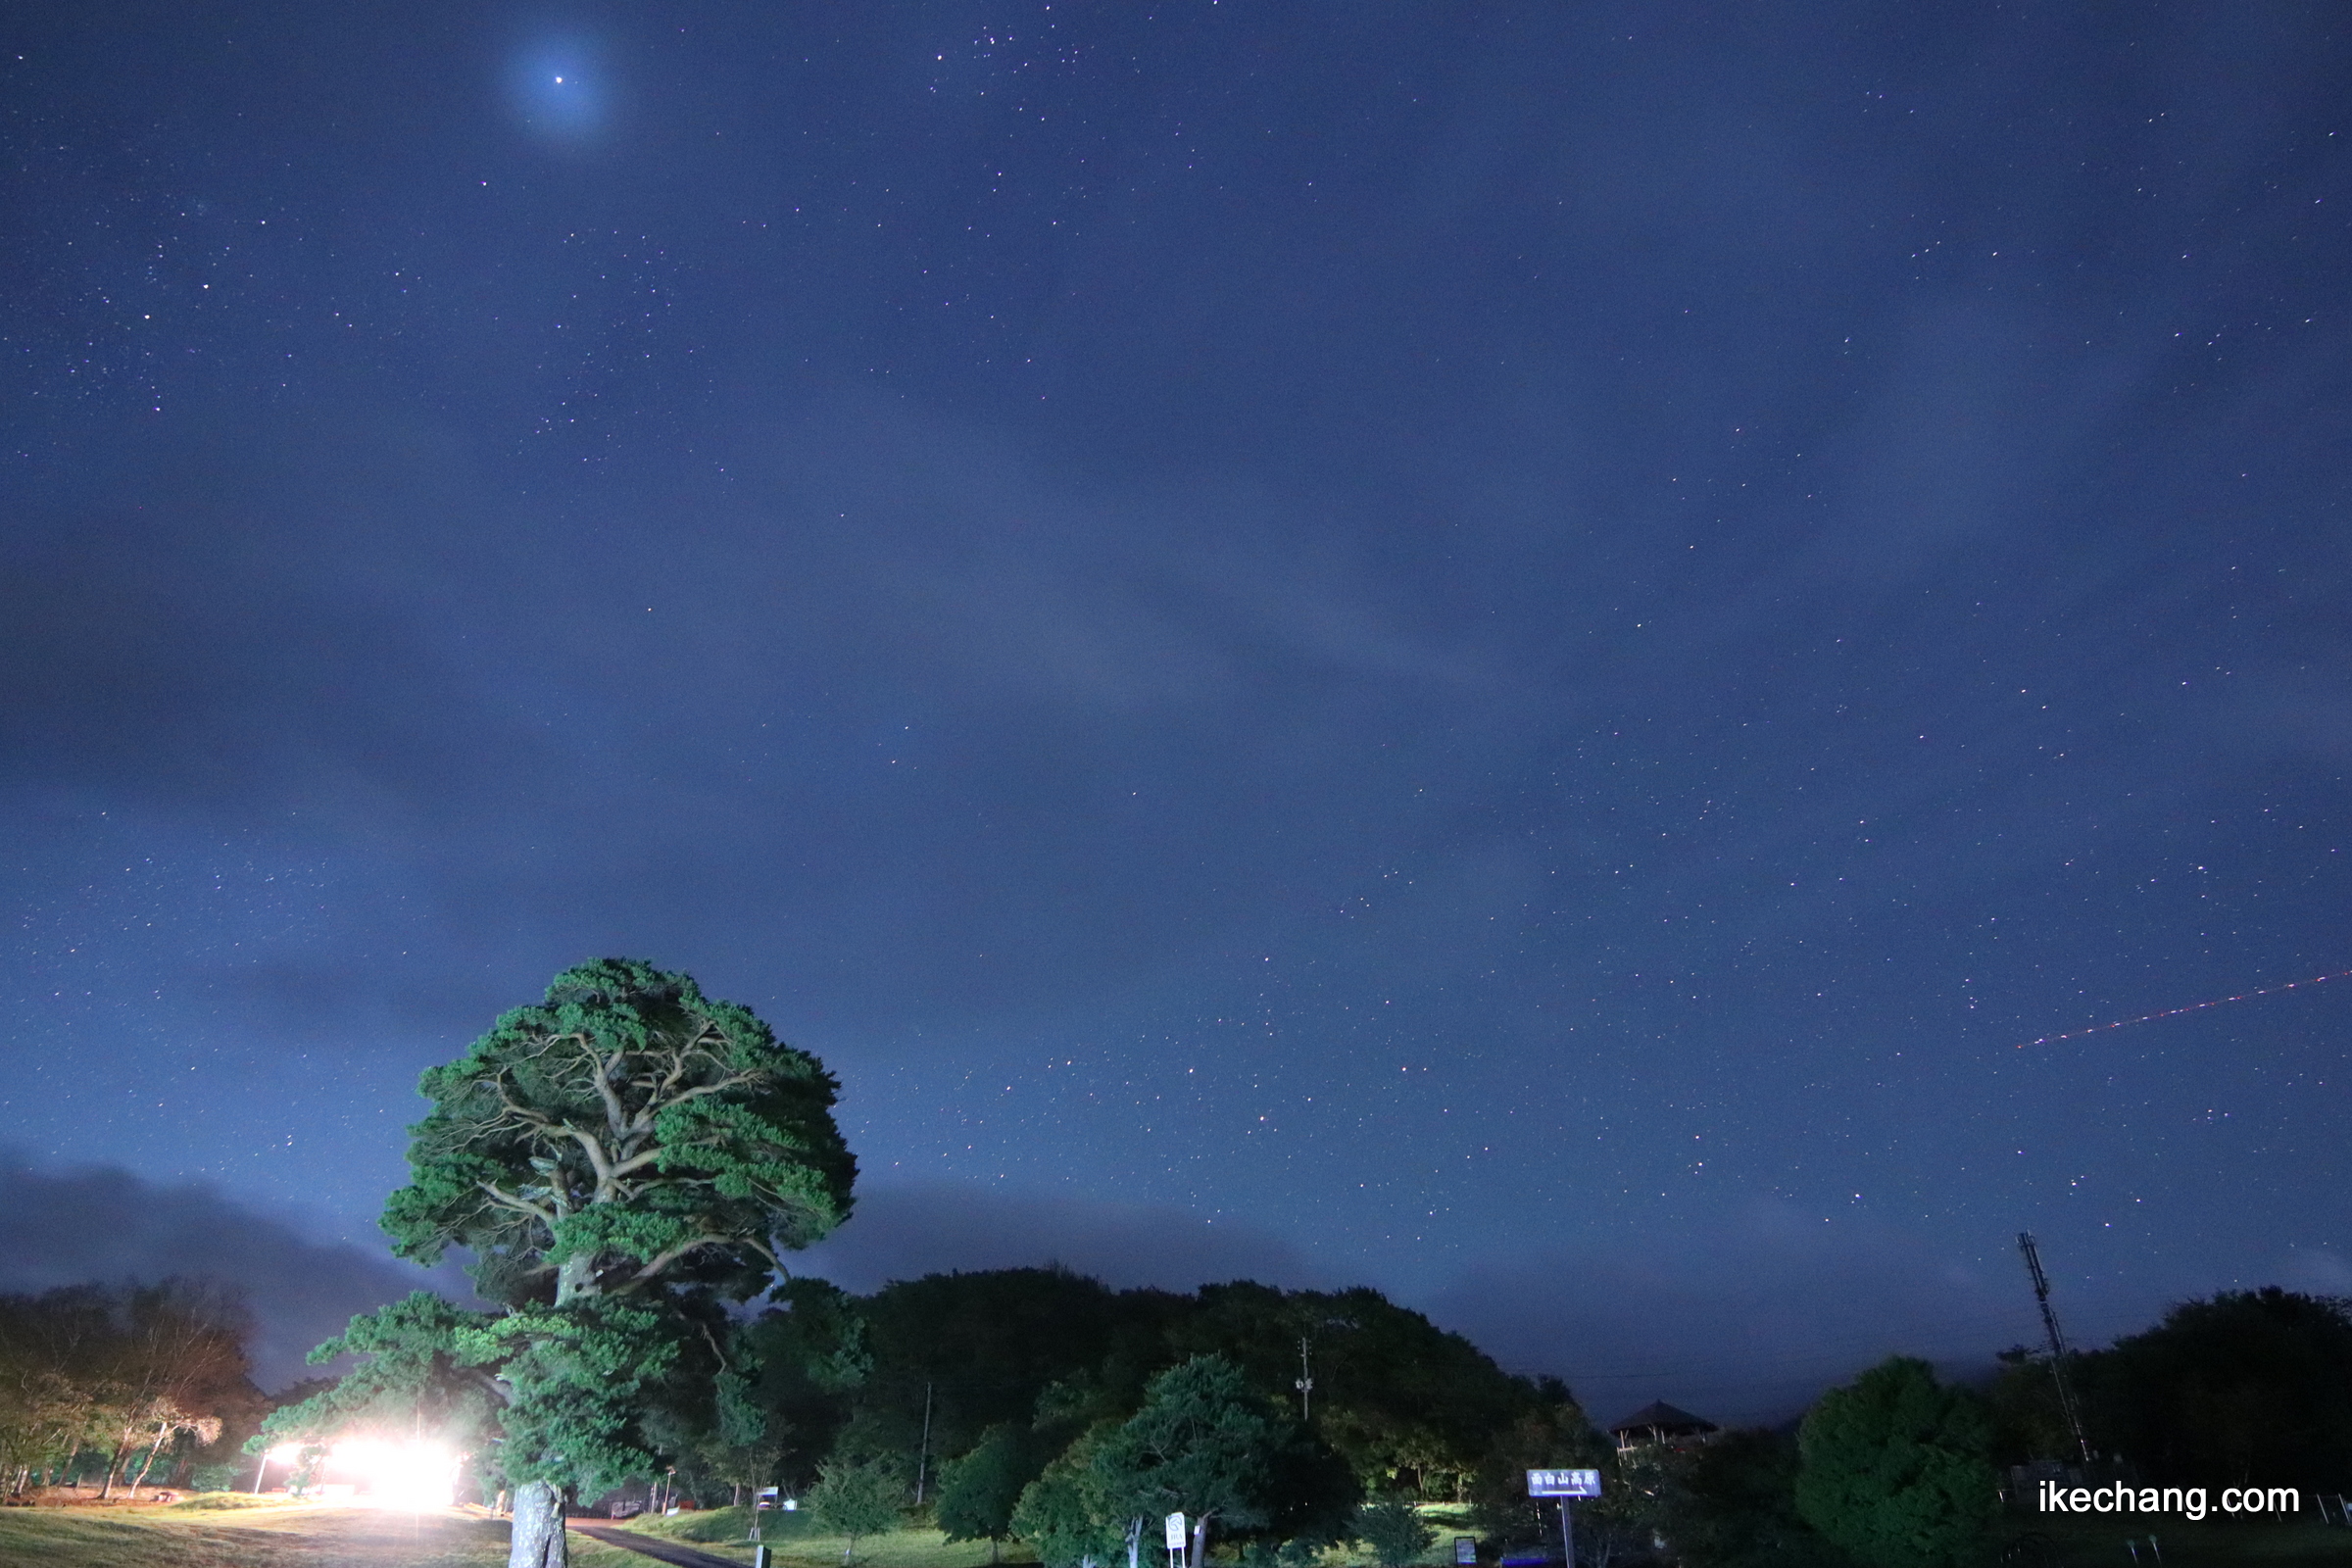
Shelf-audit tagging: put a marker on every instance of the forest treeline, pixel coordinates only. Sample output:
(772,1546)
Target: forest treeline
(978,1384)
(997,1399)
(628,1162)
(119,1385)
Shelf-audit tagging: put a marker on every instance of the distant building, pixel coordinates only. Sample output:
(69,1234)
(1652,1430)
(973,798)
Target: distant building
(1661,1426)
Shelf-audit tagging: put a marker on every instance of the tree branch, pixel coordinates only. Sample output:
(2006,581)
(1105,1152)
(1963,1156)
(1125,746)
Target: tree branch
(520,1205)
(663,1260)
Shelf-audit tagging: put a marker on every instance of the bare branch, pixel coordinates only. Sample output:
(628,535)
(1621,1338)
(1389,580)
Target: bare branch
(663,1260)
(638,1161)
(520,1205)
(617,1115)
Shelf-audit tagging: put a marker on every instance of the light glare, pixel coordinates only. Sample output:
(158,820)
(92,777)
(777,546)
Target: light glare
(401,1475)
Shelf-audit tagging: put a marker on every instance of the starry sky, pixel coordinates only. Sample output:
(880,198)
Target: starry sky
(1508,652)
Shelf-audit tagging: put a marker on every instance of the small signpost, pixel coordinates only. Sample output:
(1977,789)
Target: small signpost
(1564,1485)
(1175,1541)
(1465,1552)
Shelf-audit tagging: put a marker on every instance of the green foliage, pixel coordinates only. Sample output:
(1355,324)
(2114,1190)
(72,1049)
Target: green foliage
(412,1378)
(1733,1505)
(2249,1386)
(577,1377)
(807,1360)
(986,1346)
(1204,1443)
(1065,1513)
(1894,1470)
(1553,1436)
(1410,1404)
(1394,1531)
(1199,1446)
(619,1160)
(856,1497)
(627,1132)
(2028,1420)
(978,1492)
(146,1376)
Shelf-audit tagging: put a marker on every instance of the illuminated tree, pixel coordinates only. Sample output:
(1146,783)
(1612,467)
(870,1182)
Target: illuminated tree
(128,1372)
(626,1134)
(413,1380)
(613,1158)
(856,1497)
(177,1357)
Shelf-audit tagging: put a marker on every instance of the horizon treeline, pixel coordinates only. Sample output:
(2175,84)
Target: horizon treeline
(1407,1404)
(972,1385)
(963,1389)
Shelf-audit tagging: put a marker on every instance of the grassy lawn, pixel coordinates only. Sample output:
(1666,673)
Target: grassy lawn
(272,1535)
(275,1534)
(794,1541)
(2274,1543)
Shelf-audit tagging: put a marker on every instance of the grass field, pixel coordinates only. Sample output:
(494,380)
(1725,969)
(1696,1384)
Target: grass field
(794,1541)
(274,1535)
(271,1533)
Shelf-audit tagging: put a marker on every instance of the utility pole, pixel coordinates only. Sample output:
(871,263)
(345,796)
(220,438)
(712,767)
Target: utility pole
(922,1457)
(1306,1382)
(2058,1350)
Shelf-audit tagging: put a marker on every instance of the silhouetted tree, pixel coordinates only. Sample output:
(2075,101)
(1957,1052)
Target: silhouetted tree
(1205,1445)
(2249,1386)
(1733,1505)
(1067,1513)
(1894,1469)
(1394,1531)
(978,1492)
(1554,1435)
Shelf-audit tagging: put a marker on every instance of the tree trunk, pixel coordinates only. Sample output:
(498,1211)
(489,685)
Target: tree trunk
(575,1277)
(1201,1541)
(122,1450)
(539,1538)
(160,1435)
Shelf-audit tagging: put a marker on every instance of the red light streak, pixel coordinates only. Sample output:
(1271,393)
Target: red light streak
(2194,1007)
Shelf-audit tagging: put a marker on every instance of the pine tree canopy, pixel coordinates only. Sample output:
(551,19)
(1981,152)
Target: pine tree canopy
(625,1132)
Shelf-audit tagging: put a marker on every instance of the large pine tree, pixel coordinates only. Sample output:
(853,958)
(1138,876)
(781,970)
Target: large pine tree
(613,1157)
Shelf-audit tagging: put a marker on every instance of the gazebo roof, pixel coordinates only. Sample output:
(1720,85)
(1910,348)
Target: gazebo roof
(1659,1416)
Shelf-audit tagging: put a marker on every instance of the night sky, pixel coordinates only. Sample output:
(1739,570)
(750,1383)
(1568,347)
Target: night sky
(1504,651)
